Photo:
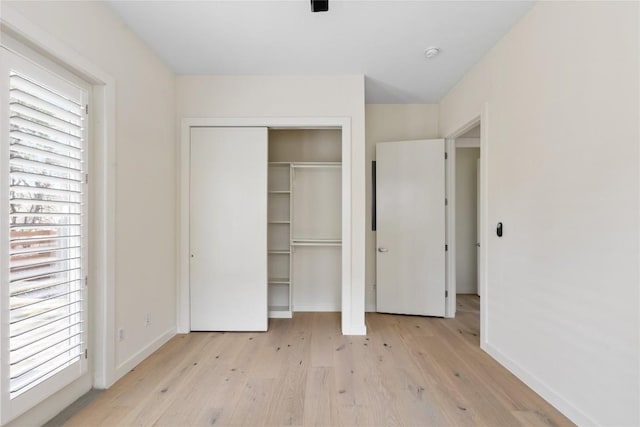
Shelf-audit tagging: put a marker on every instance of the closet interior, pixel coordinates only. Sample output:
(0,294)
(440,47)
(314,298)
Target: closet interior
(304,229)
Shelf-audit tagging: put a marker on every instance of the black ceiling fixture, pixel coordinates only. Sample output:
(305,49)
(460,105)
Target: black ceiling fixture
(319,5)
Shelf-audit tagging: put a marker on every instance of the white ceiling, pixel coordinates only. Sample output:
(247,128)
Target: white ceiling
(384,40)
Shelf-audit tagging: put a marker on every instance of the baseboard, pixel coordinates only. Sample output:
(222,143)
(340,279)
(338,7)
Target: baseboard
(317,308)
(135,360)
(537,385)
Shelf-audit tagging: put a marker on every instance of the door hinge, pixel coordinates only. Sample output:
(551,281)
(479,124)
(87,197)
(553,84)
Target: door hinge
(86,109)
(446,247)
(86,353)
(446,156)
(446,294)
(86,280)
(446,202)
(86,178)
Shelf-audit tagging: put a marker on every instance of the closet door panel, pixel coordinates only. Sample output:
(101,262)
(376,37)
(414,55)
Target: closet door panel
(228,229)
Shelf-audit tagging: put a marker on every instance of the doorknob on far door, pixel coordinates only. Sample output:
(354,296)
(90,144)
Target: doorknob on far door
(383,250)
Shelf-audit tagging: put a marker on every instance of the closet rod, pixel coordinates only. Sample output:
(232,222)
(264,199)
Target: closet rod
(316,165)
(314,242)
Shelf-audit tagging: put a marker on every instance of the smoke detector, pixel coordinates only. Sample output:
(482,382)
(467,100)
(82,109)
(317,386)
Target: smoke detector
(430,52)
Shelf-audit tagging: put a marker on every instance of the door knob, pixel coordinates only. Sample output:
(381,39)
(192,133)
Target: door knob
(383,250)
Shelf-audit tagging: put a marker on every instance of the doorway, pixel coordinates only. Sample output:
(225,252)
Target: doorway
(467,149)
(467,167)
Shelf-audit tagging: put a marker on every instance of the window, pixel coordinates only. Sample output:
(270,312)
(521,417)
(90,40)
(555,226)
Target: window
(44,250)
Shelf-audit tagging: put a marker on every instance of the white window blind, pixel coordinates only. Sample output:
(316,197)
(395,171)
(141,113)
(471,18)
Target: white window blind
(46,231)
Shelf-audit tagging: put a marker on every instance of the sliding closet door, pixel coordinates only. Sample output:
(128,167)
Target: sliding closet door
(228,229)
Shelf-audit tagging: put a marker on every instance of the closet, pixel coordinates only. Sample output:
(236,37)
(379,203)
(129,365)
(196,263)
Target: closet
(265,220)
(304,221)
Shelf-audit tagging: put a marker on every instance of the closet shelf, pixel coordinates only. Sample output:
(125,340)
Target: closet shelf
(278,281)
(280,312)
(279,222)
(316,165)
(279,251)
(279,192)
(316,242)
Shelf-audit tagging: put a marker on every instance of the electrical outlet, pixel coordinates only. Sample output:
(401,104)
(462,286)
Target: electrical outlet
(121,334)
(147,319)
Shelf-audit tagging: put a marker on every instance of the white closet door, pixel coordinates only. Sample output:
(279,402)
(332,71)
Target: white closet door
(228,229)
(410,227)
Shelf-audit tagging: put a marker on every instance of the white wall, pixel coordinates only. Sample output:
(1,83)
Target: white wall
(466,220)
(562,289)
(390,122)
(145,176)
(291,96)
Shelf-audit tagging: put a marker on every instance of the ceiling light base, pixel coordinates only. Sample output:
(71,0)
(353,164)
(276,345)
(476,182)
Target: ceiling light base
(319,5)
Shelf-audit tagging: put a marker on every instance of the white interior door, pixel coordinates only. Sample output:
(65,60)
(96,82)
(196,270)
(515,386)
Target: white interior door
(228,229)
(410,193)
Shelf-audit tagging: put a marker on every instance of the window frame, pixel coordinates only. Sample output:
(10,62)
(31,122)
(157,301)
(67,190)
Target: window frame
(18,57)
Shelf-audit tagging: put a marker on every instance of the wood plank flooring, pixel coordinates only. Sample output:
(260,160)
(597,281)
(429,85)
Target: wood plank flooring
(412,371)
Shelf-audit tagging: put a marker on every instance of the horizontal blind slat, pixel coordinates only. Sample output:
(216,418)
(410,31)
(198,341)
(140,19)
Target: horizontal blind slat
(21,387)
(42,300)
(42,225)
(23,264)
(45,203)
(18,240)
(25,98)
(36,326)
(16,290)
(18,147)
(50,144)
(41,313)
(19,278)
(44,348)
(46,191)
(45,178)
(27,85)
(26,218)
(41,250)
(38,337)
(75,171)
(45,116)
(32,127)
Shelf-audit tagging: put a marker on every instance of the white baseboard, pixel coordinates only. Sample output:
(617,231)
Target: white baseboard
(537,385)
(317,308)
(135,360)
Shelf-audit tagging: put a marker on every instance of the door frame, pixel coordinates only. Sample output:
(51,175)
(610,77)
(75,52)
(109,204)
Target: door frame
(104,369)
(349,304)
(481,119)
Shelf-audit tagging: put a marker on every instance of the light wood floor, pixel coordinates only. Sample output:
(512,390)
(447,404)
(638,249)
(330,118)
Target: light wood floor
(407,371)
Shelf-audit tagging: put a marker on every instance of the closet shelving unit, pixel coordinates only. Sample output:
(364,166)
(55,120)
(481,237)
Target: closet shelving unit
(283,224)
(279,240)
